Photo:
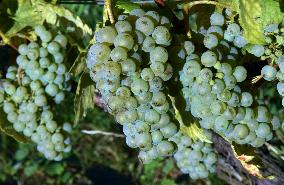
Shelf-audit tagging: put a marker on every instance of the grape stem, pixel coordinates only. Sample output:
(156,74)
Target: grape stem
(19,75)
(99,132)
(6,41)
(189,5)
(108,7)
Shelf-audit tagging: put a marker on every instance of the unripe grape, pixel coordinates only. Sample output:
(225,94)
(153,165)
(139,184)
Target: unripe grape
(53,47)
(208,59)
(221,124)
(143,140)
(58,58)
(217,19)
(57,138)
(268,72)
(124,40)
(152,116)
(148,44)
(162,35)
(165,148)
(240,73)
(23,49)
(159,54)
(145,25)
(118,54)
(40,100)
(246,99)
(123,26)
(139,86)
(262,130)
(51,126)
(280,88)
(169,130)
(43,52)
(128,67)
(51,89)
(157,136)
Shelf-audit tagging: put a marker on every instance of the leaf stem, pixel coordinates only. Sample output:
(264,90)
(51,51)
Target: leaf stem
(6,41)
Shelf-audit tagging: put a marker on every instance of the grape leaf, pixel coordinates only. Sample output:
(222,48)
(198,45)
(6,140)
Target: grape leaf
(190,129)
(255,15)
(79,65)
(7,128)
(26,15)
(233,4)
(127,6)
(35,12)
(84,98)
(250,15)
(271,12)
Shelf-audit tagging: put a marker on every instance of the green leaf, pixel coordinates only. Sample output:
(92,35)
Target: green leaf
(169,166)
(255,15)
(271,12)
(51,13)
(190,129)
(21,153)
(233,4)
(26,15)
(35,12)
(55,169)
(30,169)
(7,128)
(168,182)
(79,65)
(84,98)
(127,6)
(250,13)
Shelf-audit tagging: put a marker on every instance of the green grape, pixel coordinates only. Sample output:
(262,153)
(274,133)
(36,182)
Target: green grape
(124,40)
(169,130)
(165,148)
(148,44)
(139,86)
(159,54)
(128,67)
(246,99)
(208,59)
(145,25)
(122,26)
(152,116)
(262,130)
(147,74)
(118,54)
(53,47)
(61,39)
(162,35)
(23,49)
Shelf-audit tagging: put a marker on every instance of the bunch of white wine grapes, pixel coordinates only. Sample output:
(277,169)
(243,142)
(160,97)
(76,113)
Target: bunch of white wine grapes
(272,51)
(195,158)
(129,63)
(131,84)
(210,87)
(39,79)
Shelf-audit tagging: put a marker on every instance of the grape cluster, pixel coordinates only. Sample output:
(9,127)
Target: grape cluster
(39,78)
(211,87)
(273,50)
(195,158)
(129,63)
